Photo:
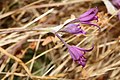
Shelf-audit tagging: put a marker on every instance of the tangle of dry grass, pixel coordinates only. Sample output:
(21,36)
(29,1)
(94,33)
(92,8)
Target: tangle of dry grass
(28,52)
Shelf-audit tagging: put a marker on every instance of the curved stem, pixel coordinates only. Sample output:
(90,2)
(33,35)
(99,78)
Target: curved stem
(61,40)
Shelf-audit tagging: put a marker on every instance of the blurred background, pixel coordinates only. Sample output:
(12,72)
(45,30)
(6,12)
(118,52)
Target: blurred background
(29,52)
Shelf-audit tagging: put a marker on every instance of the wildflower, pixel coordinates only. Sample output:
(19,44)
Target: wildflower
(90,15)
(73,29)
(78,54)
(116,3)
(87,17)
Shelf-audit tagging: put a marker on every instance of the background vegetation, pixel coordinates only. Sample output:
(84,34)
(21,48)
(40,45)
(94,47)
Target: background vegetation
(28,52)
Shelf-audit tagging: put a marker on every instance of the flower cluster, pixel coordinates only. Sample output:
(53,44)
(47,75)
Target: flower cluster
(73,27)
(85,18)
(116,3)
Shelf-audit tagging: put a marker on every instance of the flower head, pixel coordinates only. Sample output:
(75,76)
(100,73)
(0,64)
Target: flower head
(90,15)
(78,54)
(73,29)
(87,17)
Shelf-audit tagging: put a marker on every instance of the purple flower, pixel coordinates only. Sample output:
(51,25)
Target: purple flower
(73,29)
(87,17)
(116,3)
(90,15)
(78,54)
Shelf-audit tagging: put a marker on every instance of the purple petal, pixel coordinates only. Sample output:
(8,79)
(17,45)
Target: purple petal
(95,10)
(86,50)
(82,61)
(88,18)
(95,18)
(75,52)
(73,29)
(78,54)
(91,24)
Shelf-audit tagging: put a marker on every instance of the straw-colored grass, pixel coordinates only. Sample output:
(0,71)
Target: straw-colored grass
(28,50)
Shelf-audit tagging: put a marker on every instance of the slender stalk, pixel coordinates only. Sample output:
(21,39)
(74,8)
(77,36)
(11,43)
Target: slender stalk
(61,40)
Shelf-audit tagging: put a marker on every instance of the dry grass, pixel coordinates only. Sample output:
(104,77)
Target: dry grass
(30,51)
